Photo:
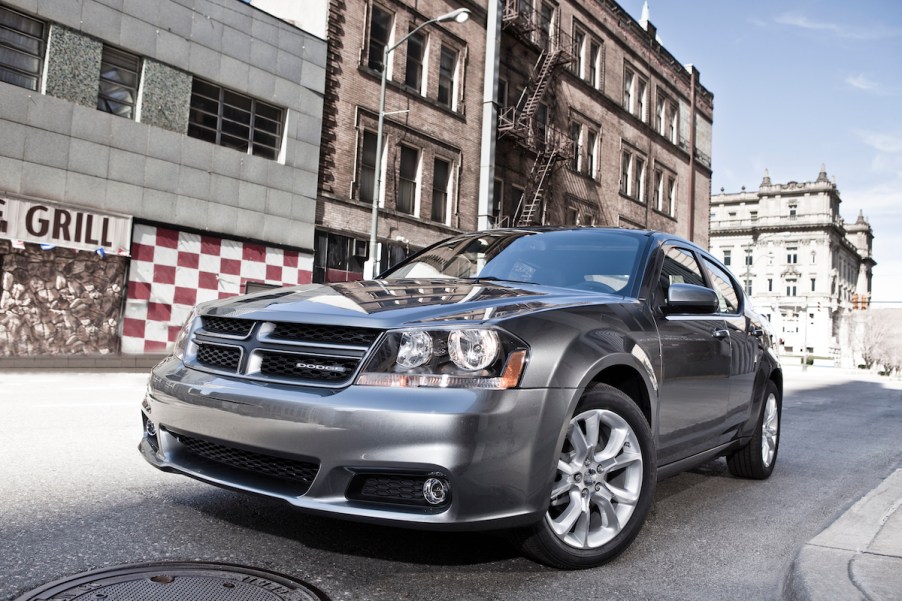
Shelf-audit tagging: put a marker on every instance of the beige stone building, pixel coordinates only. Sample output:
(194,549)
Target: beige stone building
(806,269)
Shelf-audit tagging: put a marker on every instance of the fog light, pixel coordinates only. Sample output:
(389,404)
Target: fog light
(149,429)
(435,490)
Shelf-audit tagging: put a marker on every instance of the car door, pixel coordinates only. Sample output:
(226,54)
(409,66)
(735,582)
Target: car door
(696,353)
(744,345)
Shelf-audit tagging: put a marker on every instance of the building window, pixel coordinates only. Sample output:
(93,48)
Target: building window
(21,49)
(625,171)
(671,195)
(579,47)
(118,82)
(748,256)
(666,115)
(441,178)
(594,62)
(635,93)
(497,200)
(727,257)
(638,181)
(575,147)
(546,17)
(658,190)
(628,82)
(591,153)
(231,119)
(748,287)
(572,216)
(792,255)
(813,284)
(793,211)
(416,50)
(770,285)
(367,168)
(791,288)
(408,180)
(502,92)
(380,31)
(447,78)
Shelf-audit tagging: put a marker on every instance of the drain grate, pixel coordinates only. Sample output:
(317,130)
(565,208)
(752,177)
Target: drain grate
(177,581)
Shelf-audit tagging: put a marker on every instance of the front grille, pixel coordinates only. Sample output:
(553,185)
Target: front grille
(227,326)
(276,467)
(302,332)
(288,353)
(303,367)
(227,358)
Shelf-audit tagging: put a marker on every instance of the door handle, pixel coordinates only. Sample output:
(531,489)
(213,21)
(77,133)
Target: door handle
(756,332)
(720,333)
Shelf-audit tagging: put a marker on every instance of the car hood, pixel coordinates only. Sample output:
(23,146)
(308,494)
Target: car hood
(395,303)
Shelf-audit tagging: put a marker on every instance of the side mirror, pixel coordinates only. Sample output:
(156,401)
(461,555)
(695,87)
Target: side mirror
(689,298)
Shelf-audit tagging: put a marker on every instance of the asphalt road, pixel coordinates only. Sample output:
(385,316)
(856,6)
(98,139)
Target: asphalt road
(75,496)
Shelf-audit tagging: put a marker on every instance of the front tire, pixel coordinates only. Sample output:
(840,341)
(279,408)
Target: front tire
(756,459)
(603,486)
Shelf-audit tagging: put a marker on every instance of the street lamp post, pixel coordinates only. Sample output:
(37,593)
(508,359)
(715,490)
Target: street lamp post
(372,264)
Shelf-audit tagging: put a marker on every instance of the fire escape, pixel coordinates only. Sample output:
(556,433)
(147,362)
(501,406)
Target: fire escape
(549,144)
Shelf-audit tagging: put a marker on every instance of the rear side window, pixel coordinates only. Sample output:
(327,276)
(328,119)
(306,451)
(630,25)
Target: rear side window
(726,289)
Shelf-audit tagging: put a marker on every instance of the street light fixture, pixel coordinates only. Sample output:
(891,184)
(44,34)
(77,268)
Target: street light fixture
(459,15)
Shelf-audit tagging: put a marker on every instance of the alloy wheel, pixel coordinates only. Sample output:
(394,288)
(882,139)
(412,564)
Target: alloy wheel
(598,480)
(769,426)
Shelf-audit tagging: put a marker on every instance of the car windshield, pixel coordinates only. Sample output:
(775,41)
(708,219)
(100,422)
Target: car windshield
(598,260)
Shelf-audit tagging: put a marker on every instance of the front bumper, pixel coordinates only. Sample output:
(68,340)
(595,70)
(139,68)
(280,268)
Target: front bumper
(496,448)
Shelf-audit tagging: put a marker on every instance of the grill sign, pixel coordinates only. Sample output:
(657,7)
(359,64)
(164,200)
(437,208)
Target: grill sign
(335,368)
(46,223)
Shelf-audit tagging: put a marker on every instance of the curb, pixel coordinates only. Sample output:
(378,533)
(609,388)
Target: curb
(859,556)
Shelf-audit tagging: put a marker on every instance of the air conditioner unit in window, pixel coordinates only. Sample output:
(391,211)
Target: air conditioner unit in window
(360,248)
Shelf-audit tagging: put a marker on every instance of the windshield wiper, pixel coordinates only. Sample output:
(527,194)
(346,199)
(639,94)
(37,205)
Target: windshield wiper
(491,278)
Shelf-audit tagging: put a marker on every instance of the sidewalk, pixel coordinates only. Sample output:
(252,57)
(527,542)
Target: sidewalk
(859,556)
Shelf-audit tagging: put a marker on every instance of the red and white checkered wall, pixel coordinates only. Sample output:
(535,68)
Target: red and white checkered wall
(171,271)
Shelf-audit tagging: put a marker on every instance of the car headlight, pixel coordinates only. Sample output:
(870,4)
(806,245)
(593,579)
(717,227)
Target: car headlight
(184,336)
(459,358)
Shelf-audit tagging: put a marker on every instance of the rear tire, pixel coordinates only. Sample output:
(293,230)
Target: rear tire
(603,486)
(757,458)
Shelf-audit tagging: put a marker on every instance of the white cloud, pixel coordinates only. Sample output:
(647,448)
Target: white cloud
(841,31)
(882,141)
(862,82)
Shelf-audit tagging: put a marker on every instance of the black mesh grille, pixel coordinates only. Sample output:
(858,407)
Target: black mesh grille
(277,467)
(302,332)
(389,488)
(221,357)
(227,326)
(302,367)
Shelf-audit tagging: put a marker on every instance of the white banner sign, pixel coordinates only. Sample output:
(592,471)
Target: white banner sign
(70,227)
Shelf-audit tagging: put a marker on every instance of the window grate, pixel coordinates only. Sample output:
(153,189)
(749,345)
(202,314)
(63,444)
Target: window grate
(119,75)
(227,118)
(21,49)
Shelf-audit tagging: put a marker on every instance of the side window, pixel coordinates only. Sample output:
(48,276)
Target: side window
(680,267)
(724,287)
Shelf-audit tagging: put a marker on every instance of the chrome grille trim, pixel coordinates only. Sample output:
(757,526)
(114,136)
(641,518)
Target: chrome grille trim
(303,354)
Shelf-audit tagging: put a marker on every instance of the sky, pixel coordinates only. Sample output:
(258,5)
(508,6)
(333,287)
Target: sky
(797,84)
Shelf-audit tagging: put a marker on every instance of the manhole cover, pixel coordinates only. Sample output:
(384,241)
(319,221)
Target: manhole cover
(176,582)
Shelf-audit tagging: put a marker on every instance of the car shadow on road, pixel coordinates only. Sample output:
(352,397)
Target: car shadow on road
(360,539)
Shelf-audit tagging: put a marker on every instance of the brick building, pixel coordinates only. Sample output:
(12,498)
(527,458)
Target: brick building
(431,142)
(591,122)
(154,154)
(598,123)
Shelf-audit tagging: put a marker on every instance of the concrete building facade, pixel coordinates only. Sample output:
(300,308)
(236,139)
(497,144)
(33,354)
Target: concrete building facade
(804,268)
(154,155)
